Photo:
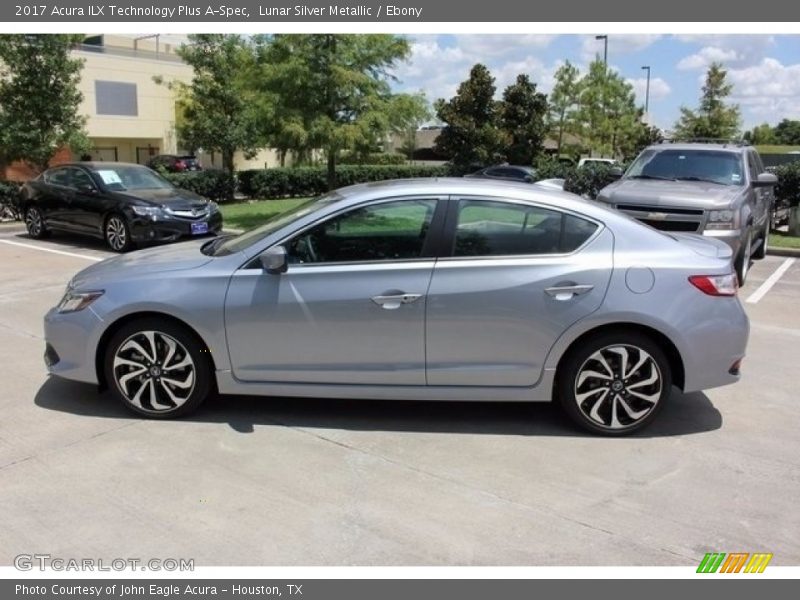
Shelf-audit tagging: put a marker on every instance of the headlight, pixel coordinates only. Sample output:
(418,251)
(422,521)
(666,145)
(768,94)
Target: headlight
(148,211)
(213,206)
(75,301)
(722,219)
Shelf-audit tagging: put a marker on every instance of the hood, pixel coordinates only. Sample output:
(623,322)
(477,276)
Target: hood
(673,194)
(175,257)
(176,198)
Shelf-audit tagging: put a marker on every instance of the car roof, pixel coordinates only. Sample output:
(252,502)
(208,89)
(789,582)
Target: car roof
(97,164)
(466,186)
(732,147)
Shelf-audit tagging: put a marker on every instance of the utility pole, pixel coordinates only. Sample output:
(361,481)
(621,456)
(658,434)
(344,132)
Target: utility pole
(647,90)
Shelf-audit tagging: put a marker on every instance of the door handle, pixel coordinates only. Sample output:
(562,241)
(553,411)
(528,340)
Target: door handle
(393,301)
(568,292)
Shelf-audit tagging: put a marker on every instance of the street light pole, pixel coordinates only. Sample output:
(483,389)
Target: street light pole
(605,47)
(647,90)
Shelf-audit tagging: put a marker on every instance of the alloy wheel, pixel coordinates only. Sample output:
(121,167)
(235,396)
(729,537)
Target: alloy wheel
(154,371)
(116,233)
(33,221)
(618,386)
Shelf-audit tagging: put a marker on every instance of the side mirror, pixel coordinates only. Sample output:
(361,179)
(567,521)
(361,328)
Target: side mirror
(765,180)
(528,179)
(615,172)
(274,260)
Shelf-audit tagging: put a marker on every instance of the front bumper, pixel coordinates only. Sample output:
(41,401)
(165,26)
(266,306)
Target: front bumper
(70,340)
(168,229)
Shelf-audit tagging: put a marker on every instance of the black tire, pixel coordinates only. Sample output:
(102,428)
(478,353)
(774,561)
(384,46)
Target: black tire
(761,251)
(742,262)
(153,392)
(117,233)
(35,223)
(595,410)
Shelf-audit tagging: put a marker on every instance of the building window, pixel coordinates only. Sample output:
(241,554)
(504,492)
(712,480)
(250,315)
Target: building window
(116,98)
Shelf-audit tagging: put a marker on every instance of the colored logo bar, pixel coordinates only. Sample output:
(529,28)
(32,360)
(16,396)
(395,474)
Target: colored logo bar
(735,562)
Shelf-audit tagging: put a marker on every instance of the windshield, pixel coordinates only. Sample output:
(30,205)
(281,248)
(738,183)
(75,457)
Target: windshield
(723,168)
(120,178)
(273,223)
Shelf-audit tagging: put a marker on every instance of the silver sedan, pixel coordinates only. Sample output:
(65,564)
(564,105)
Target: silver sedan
(448,289)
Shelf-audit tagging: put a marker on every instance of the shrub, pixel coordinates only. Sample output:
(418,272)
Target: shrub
(213,184)
(312,181)
(9,197)
(589,180)
(550,167)
(375,158)
(788,189)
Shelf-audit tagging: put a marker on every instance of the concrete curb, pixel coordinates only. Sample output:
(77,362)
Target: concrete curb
(792,252)
(227,231)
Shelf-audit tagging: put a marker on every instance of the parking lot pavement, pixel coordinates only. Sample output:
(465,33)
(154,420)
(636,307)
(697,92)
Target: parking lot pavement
(249,481)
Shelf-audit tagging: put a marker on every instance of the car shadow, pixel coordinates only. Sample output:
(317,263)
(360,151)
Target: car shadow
(78,242)
(685,413)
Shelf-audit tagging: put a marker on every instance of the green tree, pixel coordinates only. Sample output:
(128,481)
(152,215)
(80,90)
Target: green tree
(787,132)
(218,106)
(332,92)
(39,98)
(609,120)
(414,112)
(522,119)
(471,136)
(713,118)
(761,134)
(644,136)
(564,102)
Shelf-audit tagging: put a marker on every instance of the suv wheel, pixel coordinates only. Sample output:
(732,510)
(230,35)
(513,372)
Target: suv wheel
(615,383)
(742,264)
(157,368)
(761,252)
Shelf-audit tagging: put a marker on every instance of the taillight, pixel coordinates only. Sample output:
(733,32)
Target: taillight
(716,285)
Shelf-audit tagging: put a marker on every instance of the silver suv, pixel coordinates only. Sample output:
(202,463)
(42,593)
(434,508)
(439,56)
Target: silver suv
(718,190)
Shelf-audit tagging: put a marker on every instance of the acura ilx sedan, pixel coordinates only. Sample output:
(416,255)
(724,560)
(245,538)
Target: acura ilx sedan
(121,203)
(448,289)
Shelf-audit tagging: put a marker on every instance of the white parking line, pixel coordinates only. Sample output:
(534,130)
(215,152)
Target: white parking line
(771,280)
(32,247)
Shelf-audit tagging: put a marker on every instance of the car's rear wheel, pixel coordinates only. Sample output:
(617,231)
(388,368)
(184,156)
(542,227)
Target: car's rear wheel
(157,368)
(614,383)
(34,223)
(117,233)
(742,264)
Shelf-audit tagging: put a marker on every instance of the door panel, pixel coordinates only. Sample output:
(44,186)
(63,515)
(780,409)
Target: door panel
(491,321)
(319,324)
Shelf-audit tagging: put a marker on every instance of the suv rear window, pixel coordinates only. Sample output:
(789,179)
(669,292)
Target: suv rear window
(714,166)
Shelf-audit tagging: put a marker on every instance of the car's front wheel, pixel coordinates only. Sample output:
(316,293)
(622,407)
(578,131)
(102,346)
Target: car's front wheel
(761,251)
(614,383)
(118,234)
(34,223)
(157,368)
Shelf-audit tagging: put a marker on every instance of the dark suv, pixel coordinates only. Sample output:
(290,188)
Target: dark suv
(174,163)
(719,190)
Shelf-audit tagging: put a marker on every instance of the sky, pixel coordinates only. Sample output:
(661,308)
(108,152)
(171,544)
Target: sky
(764,69)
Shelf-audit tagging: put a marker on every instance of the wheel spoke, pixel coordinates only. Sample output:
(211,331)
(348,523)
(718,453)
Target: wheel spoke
(633,414)
(123,381)
(623,353)
(644,382)
(171,347)
(187,361)
(138,347)
(181,384)
(595,374)
(594,413)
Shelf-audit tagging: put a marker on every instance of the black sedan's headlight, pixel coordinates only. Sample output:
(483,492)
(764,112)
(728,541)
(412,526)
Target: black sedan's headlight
(154,212)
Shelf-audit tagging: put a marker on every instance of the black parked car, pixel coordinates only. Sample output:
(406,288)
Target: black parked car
(122,203)
(506,173)
(174,163)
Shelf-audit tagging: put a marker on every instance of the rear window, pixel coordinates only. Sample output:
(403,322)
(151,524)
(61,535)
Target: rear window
(491,228)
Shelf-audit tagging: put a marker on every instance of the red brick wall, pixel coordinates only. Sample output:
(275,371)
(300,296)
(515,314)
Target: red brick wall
(18,171)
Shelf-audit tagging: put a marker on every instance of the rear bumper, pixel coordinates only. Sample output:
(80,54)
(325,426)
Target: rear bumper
(166,230)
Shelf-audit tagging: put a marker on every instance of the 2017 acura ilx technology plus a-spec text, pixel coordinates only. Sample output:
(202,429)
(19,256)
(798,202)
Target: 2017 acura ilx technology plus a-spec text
(448,289)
